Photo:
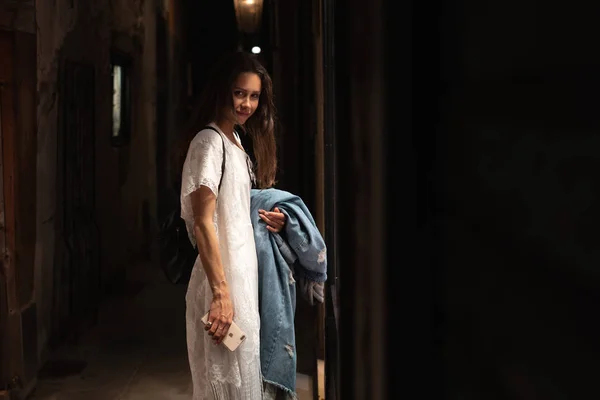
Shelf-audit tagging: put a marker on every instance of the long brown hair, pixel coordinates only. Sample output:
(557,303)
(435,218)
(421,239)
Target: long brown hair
(217,97)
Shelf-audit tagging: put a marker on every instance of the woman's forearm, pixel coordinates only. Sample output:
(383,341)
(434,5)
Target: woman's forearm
(210,254)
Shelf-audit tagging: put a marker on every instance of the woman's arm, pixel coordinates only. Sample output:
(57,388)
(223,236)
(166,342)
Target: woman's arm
(221,310)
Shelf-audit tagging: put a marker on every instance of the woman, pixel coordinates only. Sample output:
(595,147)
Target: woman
(215,204)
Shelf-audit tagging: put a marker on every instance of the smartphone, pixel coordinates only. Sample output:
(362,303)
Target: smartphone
(234,337)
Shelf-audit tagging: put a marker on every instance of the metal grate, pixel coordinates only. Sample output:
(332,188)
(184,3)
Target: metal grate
(77,270)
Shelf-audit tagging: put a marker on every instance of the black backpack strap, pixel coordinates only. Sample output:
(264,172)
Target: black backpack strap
(223,162)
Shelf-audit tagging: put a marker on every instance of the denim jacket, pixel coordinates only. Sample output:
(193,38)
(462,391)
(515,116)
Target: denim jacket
(299,250)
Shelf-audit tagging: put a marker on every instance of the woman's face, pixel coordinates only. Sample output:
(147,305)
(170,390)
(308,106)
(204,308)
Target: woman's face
(246,92)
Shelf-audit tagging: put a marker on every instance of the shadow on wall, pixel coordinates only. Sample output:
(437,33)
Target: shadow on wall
(551,182)
(526,158)
(524,267)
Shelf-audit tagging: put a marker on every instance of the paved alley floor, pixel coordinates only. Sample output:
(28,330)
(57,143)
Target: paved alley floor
(137,351)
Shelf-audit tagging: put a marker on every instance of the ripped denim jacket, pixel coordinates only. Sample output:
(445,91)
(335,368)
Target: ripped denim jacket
(300,252)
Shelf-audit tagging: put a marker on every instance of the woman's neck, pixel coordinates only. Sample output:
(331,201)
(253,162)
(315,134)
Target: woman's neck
(226,126)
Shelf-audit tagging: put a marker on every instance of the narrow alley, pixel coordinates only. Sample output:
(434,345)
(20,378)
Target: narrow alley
(95,97)
(449,153)
(137,350)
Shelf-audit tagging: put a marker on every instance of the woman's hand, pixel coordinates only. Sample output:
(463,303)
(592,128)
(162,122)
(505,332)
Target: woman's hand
(220,316)
(275,219)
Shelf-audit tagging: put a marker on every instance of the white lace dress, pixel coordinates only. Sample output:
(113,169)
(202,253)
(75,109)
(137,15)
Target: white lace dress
(218,373)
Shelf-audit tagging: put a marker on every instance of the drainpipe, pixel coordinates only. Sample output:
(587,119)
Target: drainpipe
(329,162)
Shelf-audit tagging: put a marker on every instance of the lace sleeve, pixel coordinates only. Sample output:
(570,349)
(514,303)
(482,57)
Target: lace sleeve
(202,167)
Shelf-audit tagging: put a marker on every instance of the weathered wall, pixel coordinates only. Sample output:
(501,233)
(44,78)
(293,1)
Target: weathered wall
(134,33)
(17,16)
(58,23)
(125,176)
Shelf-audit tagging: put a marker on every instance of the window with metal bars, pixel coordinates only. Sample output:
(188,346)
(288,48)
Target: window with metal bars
(121,99)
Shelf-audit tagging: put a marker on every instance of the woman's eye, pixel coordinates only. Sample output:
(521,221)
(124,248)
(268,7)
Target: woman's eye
(255,96)
(238,93)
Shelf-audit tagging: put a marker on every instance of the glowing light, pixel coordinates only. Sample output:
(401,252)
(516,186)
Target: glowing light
(248,14)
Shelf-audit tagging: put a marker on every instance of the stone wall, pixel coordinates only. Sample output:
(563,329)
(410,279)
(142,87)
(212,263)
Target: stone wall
(125,192)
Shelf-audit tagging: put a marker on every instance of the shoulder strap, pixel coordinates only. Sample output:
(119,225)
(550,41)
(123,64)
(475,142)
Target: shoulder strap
(223,162)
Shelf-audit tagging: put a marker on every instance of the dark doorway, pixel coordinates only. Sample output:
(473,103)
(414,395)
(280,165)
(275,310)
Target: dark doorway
(77,268)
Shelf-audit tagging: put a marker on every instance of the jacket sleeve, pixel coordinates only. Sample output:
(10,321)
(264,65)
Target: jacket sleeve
(285,249)
(311,291)
(306,242)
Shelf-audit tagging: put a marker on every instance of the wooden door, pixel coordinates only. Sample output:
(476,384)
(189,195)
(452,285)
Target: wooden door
(18,314)
(11,361)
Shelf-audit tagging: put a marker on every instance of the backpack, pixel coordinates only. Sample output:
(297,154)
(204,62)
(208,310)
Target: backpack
(177,255)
